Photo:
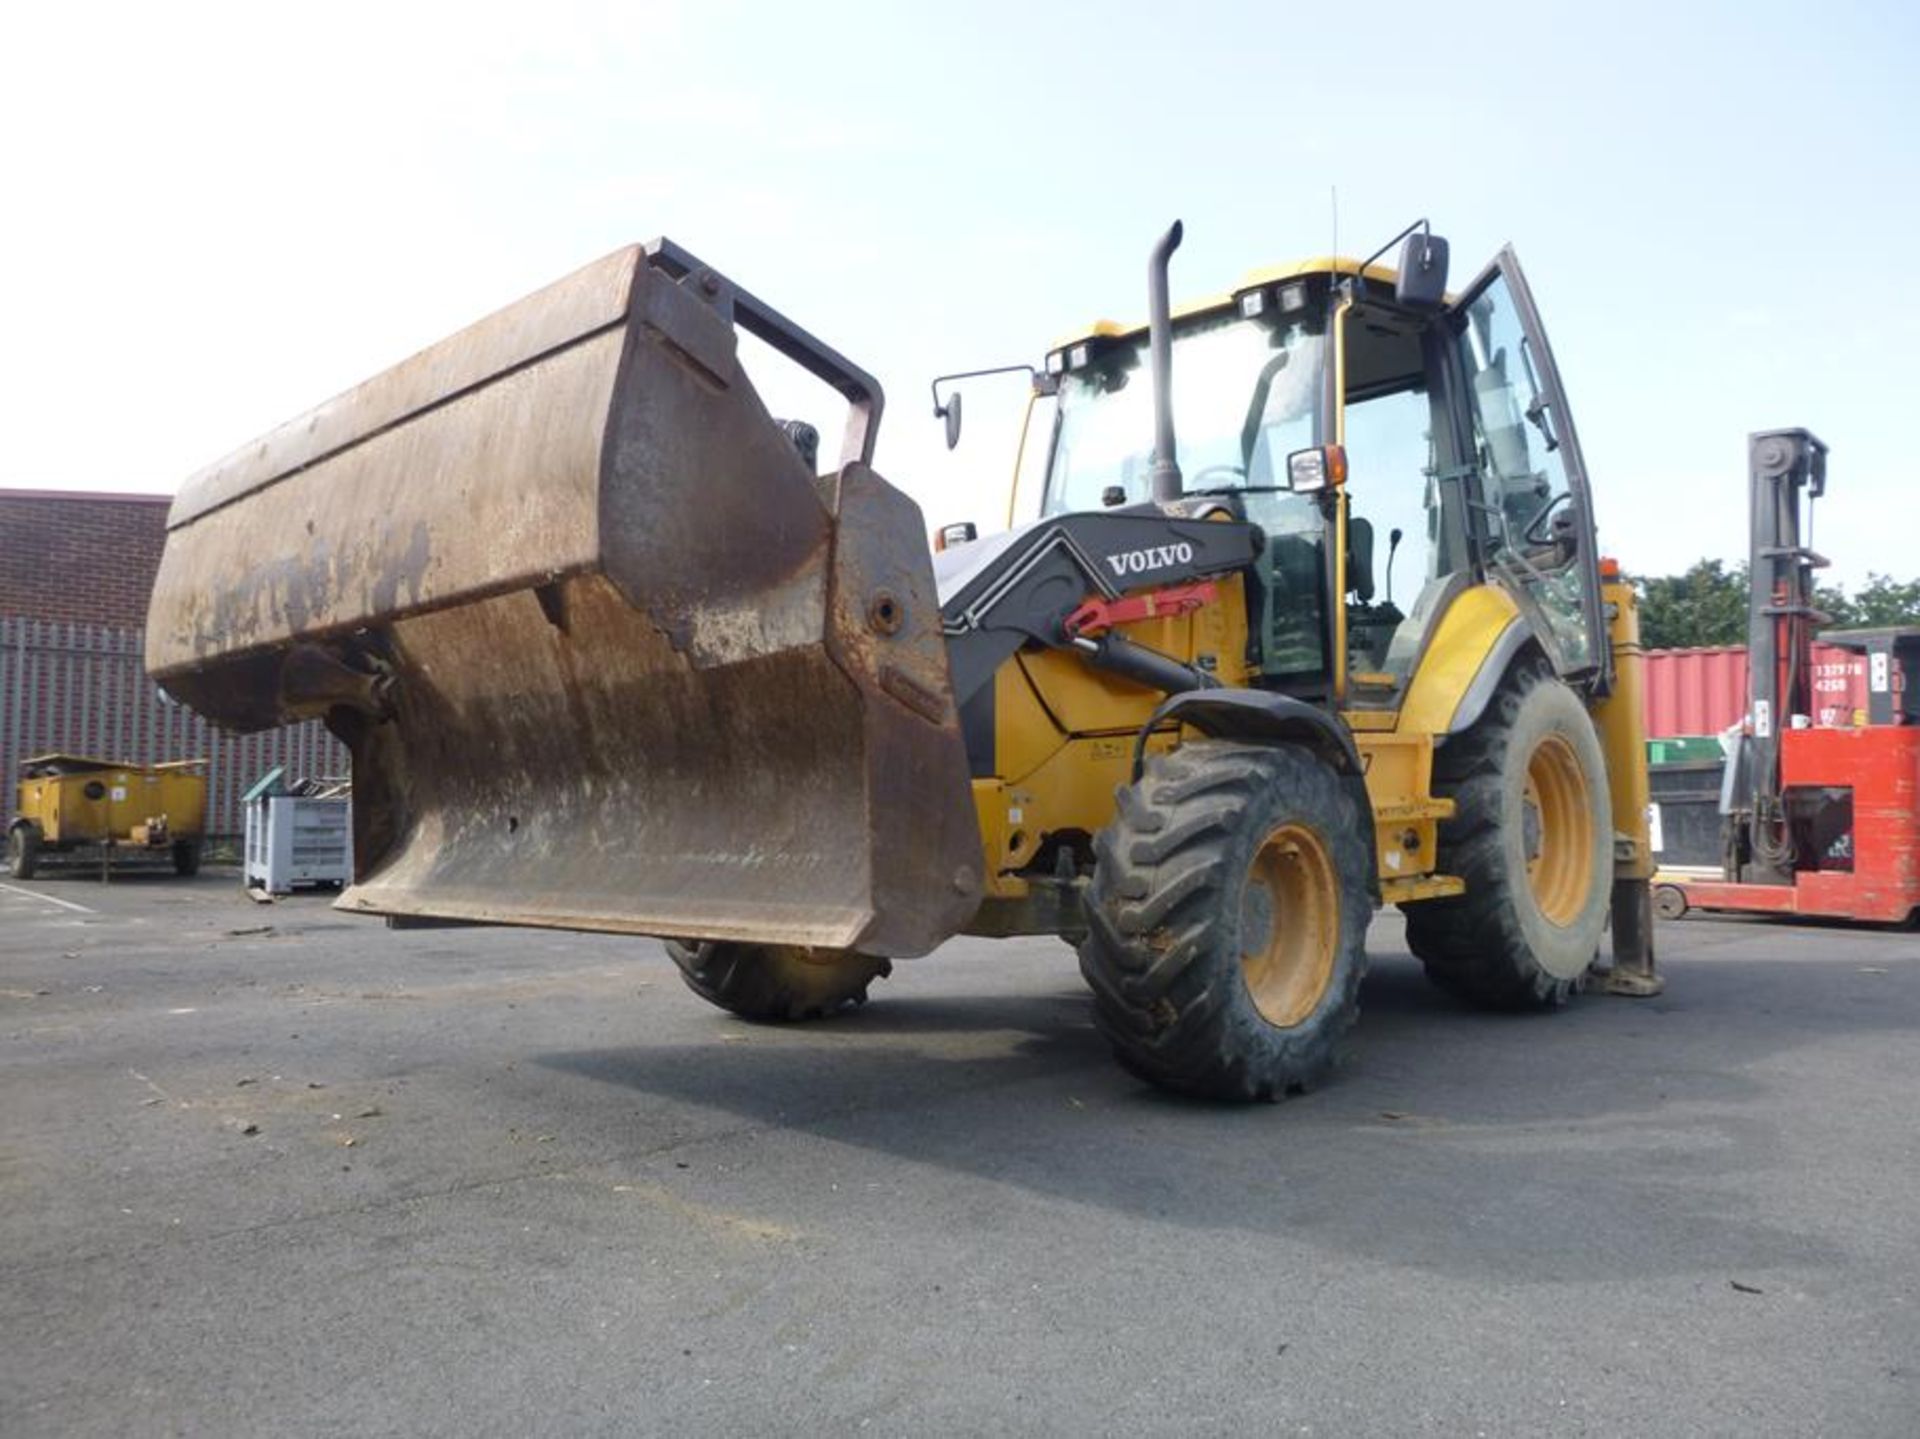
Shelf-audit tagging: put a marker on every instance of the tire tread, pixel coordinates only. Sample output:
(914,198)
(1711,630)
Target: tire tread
(1161,953)
(773,984)
(1473,945)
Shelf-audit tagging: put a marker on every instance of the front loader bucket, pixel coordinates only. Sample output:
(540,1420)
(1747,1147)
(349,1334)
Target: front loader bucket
(607,653)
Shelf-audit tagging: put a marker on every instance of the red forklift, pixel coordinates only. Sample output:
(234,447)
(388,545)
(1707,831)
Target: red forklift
(1814,821)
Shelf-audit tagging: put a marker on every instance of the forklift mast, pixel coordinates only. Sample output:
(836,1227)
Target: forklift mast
(1786,473)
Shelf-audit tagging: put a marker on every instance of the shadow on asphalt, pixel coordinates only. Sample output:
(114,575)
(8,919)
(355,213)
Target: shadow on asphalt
(1616,1138)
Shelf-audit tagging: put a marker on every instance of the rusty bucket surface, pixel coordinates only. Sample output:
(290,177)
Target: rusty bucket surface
(608,654)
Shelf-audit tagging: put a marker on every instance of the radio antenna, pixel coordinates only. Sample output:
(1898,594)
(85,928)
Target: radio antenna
(1333,202)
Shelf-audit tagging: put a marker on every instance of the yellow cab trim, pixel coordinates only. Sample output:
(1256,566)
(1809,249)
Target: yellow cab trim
(1369,720)
(1462,640)
(1319,265)
(1114,330)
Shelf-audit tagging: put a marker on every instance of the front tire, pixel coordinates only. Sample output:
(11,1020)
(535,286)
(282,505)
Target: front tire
(23,850)
(186,857)
(1532,837)
(1227,921)
(776,983)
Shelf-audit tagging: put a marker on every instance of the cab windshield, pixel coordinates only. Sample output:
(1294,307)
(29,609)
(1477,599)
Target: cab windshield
(1246,394)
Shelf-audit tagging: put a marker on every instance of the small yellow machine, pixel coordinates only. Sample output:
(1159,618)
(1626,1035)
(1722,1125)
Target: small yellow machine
(611,653)
(70,802)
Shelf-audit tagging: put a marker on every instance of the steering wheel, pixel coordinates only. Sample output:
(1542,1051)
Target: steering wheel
(1237,472)
(1531,531)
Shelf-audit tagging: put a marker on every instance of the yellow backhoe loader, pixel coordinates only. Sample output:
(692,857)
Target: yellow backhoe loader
(611,655)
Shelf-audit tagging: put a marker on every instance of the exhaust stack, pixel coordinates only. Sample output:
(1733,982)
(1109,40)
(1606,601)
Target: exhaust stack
(1167,484)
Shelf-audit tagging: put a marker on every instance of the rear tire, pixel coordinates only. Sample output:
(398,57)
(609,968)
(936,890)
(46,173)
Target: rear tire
(1227,921)
(776,983)
(23,850)
(1532,836)
(186,856)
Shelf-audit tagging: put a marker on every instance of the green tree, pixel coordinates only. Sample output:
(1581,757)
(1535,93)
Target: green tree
(1883,600)
(1708,605)
(1705,606)
(1833,602)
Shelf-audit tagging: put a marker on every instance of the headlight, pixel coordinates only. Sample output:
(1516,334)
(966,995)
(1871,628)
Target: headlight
(1322,467)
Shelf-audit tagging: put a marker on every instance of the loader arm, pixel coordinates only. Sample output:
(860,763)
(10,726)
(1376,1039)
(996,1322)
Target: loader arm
(607,654)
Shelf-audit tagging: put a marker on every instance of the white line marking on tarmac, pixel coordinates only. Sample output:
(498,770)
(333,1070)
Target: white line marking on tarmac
(154,1087)
(34,894)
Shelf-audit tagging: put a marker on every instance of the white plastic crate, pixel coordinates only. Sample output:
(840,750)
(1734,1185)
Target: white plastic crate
(293,840)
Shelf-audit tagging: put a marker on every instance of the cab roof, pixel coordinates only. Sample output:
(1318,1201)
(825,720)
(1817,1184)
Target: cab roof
(1252,280)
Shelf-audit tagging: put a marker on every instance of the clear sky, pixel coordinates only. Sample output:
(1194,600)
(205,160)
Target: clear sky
(219,215)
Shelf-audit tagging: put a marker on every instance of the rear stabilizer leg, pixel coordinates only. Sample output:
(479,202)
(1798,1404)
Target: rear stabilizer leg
(1635,974)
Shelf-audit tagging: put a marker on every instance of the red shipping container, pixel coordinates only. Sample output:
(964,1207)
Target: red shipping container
(1704,691)
(1839,687)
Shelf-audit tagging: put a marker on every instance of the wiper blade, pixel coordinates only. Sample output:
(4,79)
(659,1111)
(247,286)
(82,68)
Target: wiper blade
(1537,406)
(1241,490)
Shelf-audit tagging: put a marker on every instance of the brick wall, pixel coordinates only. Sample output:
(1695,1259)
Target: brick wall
(76,570)
(83,689)
(79,557)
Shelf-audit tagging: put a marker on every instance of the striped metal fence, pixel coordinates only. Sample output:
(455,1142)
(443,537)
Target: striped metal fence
(83,689)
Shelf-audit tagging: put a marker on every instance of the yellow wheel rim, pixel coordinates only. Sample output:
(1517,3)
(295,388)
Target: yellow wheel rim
(1289,925)
(1558,831)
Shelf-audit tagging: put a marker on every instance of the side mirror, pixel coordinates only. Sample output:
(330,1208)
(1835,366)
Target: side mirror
(950,412)
(949,408)
(1422,282)
(949,536)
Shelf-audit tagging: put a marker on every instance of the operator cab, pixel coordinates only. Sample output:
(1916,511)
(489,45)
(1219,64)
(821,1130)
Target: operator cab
(1394,450)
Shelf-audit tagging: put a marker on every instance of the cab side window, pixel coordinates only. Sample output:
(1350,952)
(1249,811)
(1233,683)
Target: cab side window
(1526,496)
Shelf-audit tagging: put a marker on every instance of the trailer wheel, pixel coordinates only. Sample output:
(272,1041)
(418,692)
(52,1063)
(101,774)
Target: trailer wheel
(186,856)
(776,983)
(1227,921)
(1670,901)
(23,850)
(1532,836)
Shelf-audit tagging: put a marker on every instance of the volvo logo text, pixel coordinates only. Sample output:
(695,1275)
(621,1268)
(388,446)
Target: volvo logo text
(1157,557)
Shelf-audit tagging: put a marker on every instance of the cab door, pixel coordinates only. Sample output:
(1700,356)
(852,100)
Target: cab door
(1532,510)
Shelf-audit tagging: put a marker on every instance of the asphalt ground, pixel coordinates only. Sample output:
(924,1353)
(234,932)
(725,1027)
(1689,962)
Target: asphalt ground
(272,1170)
